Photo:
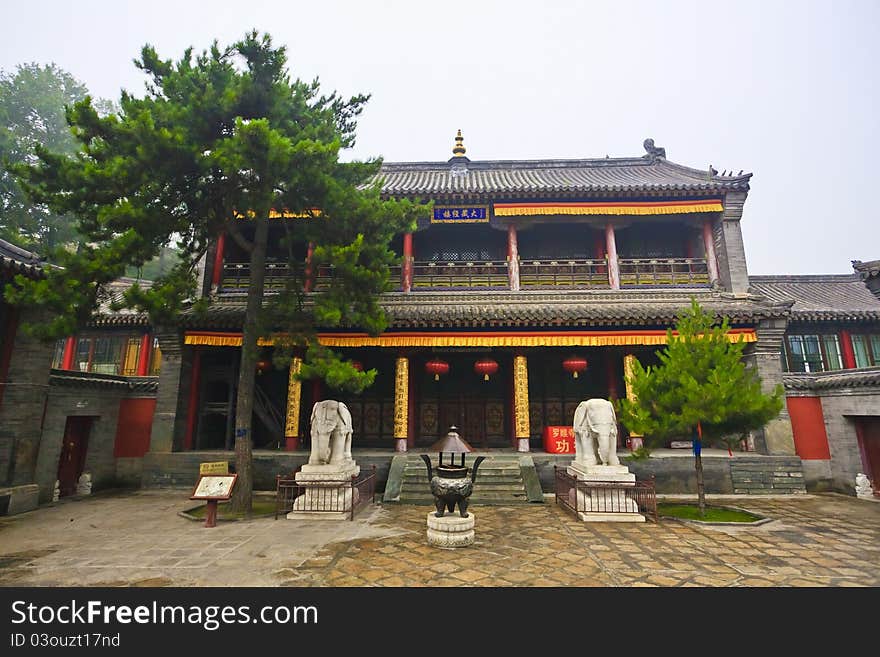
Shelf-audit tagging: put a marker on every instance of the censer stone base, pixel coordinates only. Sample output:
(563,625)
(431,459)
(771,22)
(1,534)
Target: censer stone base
(451,531)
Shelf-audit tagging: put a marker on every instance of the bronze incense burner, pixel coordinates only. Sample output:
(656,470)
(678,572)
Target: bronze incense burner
(450,484)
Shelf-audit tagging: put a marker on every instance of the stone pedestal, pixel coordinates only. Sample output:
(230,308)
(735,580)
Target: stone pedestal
(328,495)
(451,531)
(604,504)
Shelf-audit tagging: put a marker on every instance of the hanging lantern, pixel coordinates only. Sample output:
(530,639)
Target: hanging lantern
(486,367)
(263,365)
(358,365)
(574,364)
(437,367)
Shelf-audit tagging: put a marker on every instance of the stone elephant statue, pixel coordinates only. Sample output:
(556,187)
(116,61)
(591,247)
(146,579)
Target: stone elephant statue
(595,432)
(331,433)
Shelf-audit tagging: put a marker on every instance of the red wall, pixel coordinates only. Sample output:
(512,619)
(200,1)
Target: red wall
(133,430)
(808,425)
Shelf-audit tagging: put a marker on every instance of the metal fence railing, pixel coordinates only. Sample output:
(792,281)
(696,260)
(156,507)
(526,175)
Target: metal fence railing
(325,496)
(578,496)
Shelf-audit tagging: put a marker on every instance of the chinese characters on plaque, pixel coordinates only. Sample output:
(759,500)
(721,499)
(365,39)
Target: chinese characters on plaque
(452,215)
(559,440)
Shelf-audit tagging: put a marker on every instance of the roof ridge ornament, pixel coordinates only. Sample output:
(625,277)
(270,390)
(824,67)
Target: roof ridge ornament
(458,150)
(653,152)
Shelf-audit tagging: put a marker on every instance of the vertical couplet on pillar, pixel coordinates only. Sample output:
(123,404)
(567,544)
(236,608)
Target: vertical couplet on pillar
(512,258)
(611,250)
(629,361)
(294,394)
(709,245)
(406,269)
(401,403)
(521,402)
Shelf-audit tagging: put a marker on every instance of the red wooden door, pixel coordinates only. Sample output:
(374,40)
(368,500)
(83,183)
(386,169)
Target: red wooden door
(73,453)
(869,437)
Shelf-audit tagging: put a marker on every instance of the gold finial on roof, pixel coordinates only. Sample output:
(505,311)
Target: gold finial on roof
(458,150)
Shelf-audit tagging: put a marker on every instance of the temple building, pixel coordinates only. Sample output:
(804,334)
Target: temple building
(533,286)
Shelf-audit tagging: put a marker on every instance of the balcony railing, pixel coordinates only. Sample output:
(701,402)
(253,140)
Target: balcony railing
(563,273)
(533,274)
(452,275)
(663,271)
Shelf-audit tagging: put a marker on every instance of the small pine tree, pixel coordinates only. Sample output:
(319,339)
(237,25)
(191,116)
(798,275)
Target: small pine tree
(700,389)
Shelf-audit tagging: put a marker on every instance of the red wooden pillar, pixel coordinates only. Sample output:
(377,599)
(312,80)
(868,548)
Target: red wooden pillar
(143,364)
(709,245)
(599,251)
(611,374)
(611,249)
(310,277)
(317,391)
(69,353)
(846,350)
(406,270)
(217,272)
(193,406)
(512,258)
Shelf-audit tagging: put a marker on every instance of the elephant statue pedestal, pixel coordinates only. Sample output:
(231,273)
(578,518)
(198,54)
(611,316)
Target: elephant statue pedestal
(451,531)
(604,498)
(328,494)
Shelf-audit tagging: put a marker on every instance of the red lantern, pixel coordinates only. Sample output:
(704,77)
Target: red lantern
(486,367)
(575,364)
(358,365)
(263,366)
(437,367)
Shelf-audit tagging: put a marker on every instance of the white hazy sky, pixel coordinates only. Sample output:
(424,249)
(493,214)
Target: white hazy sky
(786,90)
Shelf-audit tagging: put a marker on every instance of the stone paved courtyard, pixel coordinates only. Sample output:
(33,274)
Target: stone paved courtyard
(137,538)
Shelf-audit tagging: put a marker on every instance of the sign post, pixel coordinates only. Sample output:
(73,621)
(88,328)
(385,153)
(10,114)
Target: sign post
(213,489)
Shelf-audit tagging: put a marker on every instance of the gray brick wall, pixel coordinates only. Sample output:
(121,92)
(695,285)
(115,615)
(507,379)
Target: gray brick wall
(100,403)
(776,437)
(21,412)
(728,240)
(840,408)
(169,419)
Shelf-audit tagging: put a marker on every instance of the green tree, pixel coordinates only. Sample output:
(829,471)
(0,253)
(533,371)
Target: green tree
(701,389)
(32,102)
(218,142)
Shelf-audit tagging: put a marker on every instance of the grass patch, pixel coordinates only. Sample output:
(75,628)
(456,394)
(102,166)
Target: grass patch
(224,512)
(713,513)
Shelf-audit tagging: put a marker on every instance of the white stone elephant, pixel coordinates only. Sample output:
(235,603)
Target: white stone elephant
(595,432)
(331,433)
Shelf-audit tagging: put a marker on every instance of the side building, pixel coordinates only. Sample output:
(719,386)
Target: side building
(831,372)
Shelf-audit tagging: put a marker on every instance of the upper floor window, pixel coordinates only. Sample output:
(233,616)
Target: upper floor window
(812,353)
(866,349)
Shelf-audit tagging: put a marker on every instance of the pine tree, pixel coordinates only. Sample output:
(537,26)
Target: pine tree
(700,390)
(217,143)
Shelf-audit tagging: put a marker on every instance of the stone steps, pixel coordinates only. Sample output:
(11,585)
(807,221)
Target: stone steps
(501,479)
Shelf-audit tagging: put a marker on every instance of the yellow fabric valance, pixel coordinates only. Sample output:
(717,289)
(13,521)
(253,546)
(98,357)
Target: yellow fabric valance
(471,339)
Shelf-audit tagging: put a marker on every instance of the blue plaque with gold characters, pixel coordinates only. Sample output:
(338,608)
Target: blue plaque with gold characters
(460,214)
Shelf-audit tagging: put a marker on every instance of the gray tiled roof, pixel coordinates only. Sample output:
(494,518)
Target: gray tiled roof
(19,260)
(513,177)
(133,384)
(832,297)
(113,293)
(860,378)
(532,309)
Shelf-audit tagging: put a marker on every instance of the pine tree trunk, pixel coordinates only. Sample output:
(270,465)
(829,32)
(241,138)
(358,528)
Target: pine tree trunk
(242,498)
(701,489)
